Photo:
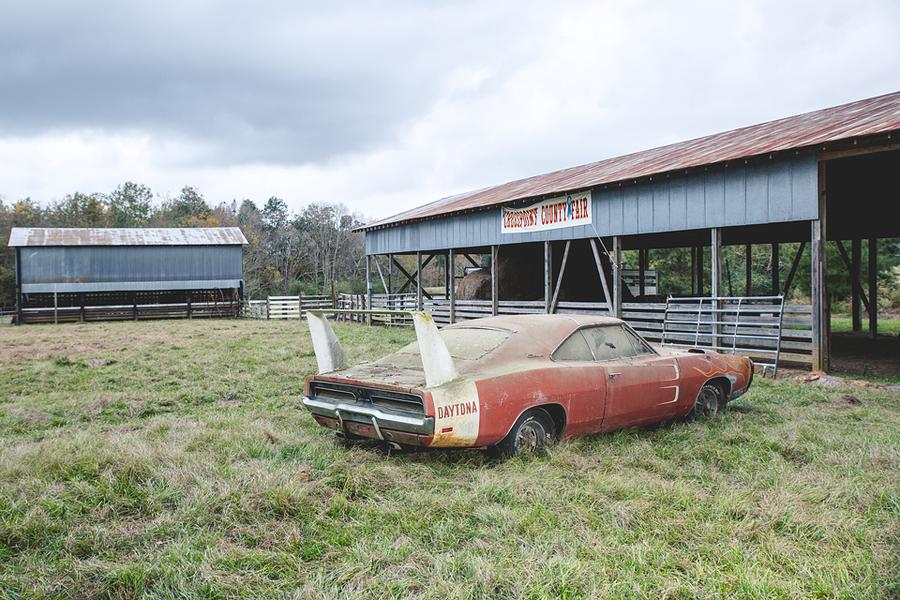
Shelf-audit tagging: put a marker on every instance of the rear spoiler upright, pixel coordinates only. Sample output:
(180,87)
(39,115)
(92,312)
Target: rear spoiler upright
(330,355)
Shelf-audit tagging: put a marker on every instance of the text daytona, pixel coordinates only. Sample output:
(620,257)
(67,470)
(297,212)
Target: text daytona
(457,410)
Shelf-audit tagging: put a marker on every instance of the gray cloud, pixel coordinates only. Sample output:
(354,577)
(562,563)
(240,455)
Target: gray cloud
(385,105)
(286,82)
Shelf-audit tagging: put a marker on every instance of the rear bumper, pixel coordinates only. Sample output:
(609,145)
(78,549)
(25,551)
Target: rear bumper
(365,420)
(355,428)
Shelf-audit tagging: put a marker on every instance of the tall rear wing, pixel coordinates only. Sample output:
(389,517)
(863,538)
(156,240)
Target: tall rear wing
(330,355)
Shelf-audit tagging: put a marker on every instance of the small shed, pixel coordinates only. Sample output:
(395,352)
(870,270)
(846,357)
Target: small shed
(70,274)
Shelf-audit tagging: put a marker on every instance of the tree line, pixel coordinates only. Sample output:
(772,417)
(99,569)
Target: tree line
(317,251)
(314,250)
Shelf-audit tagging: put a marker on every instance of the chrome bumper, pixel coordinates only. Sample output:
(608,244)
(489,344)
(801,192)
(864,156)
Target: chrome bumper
(366,413)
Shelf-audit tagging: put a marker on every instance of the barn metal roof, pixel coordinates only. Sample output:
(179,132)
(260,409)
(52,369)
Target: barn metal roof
(872,116)
(89,236)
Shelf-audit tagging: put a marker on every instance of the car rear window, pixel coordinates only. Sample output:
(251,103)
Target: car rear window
(574,348)
(469,343)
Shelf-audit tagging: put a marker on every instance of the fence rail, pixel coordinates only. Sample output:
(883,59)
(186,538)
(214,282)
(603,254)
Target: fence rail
(122,312)
(285,307)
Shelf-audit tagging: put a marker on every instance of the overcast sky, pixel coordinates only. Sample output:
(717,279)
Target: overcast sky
(386,105)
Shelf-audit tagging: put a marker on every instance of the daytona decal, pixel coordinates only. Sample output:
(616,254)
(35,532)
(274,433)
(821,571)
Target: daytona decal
(464,408)
(457,413)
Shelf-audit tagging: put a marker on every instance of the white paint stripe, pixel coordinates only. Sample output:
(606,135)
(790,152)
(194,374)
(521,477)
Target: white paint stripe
(458,409)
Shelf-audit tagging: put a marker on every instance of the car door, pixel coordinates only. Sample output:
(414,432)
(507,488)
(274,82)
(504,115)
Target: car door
(642,386)
(584,383)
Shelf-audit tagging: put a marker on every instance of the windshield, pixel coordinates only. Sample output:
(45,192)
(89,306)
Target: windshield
(470,343)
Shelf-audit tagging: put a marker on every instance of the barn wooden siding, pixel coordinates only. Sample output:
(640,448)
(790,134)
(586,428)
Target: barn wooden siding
(774,191)
(127,268)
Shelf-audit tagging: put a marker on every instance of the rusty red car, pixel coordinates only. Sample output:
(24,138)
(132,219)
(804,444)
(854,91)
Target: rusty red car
(515,383)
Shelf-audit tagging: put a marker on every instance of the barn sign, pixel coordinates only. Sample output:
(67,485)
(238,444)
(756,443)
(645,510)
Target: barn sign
(554,213)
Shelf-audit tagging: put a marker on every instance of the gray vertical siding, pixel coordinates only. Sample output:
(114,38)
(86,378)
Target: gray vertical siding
(77,267)
(776,191)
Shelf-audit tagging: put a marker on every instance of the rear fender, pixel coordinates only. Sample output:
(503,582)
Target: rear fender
(573,391)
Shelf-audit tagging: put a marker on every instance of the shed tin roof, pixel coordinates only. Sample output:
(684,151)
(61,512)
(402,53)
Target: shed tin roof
(89,236)
(880,114)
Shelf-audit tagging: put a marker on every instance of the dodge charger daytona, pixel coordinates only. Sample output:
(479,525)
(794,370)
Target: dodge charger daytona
(515,383)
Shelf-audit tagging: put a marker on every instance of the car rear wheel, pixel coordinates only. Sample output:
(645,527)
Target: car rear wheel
(532,433)
(710,402)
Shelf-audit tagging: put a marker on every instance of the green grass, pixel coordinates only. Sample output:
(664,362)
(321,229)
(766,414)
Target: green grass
(173,459)
(844,324)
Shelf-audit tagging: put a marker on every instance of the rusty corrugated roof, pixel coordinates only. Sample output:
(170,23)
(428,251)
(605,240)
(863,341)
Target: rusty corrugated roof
(90,236)
(856,119)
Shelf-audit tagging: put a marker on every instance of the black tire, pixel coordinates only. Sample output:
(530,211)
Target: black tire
(710,402)
(532,433)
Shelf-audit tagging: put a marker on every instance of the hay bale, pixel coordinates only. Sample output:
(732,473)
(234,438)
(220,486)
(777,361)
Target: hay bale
(475,286)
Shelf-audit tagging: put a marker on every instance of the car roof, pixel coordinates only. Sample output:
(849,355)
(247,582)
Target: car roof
(537,322)
(538,334)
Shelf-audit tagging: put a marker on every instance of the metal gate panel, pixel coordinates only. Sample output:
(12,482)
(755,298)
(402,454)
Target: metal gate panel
(749,325)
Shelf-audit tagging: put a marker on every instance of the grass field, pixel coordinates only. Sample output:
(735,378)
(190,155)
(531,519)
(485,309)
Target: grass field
(173,459)
(844,324)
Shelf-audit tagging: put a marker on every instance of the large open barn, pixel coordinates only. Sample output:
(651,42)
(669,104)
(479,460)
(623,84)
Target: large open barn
(579,239)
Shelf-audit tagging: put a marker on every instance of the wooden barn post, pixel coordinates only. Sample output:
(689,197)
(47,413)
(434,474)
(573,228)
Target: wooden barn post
(617,276)
(451,291)
(855,260)
(817,281)
(748,269)
(873,288)
(694,291)
(548,275)
(368,305)
(776,275)
(715,242)
(495,295)
(18,287)
(447,275)
(642,269)
(419,303)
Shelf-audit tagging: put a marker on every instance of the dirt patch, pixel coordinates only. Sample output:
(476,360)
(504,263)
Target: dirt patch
(28,415)
(824,380)
(827,380)
(858,354)
(77,340)
(96,363)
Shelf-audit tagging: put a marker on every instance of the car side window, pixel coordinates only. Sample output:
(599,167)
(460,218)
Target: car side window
(613,341)
(574,348)
(640,346)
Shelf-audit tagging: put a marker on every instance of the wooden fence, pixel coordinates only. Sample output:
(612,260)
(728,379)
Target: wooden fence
(646,318)
(285,307)
(122,312)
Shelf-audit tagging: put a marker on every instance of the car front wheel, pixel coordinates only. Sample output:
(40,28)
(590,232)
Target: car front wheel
(710,402)
(532,433)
